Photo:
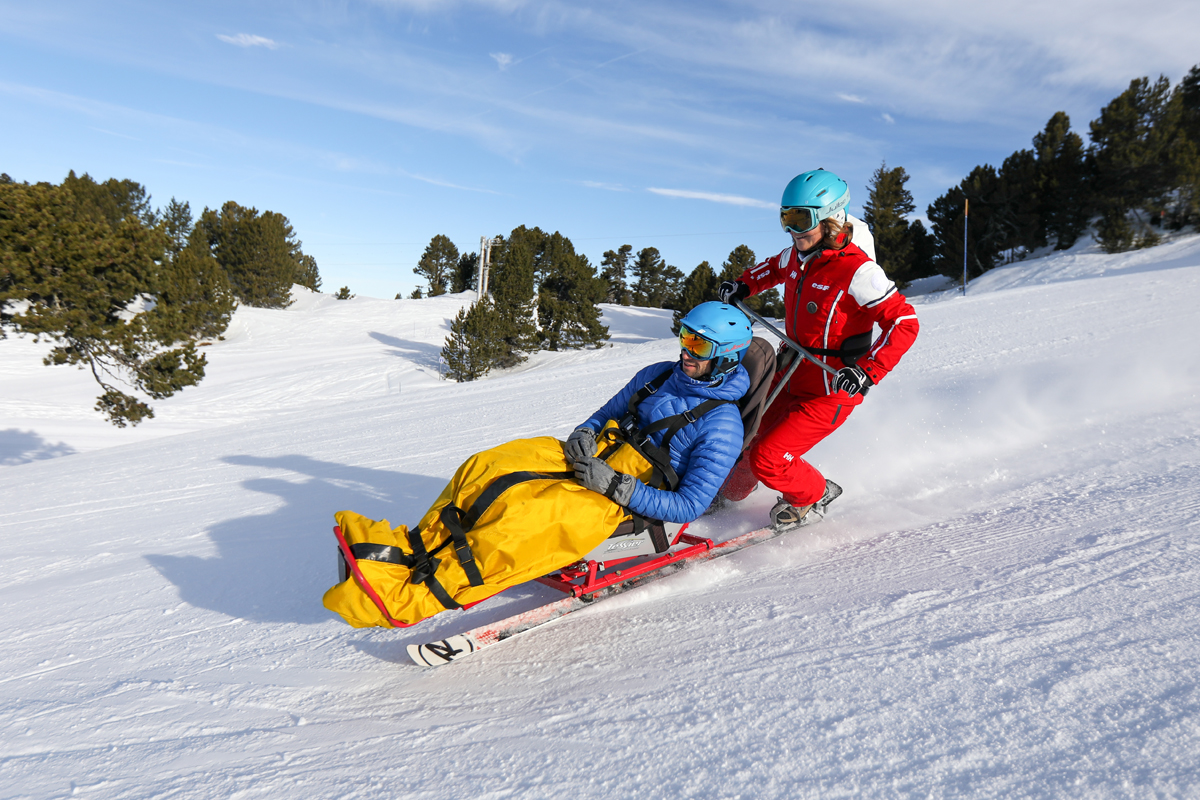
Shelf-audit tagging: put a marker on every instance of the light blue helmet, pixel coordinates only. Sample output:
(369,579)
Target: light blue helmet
(725,330)
(812,197)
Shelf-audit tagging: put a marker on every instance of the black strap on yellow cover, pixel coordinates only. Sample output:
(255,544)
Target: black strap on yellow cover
(451,517)
(424,568)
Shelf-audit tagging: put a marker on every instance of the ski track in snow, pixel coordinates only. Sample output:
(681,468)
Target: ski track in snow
(1001,605)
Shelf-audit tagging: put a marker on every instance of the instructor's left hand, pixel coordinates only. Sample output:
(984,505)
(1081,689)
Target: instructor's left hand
(851,380)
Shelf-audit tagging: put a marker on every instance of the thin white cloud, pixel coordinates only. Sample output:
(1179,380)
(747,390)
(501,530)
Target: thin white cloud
(249,40)
(504,60)
(608,187)
(888,118)
(712,197)
(852,98)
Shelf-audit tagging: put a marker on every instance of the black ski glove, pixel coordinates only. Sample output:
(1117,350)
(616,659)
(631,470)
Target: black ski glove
(732,290)
(580,444)
(851,380)
(600,477)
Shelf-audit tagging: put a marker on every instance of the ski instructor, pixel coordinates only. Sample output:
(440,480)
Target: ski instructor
(833,294)
(706,381)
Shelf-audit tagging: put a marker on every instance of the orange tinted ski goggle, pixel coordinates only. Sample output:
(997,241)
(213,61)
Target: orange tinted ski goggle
(697,345)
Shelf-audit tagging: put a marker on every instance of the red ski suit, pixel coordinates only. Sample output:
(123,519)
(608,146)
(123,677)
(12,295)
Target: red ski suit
(829,297)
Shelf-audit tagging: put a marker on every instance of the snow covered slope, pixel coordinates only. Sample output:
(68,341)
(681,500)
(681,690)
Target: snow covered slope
(1003,603)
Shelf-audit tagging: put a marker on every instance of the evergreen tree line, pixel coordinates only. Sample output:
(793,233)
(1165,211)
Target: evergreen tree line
(128,291)
(543,295)
(1140,173)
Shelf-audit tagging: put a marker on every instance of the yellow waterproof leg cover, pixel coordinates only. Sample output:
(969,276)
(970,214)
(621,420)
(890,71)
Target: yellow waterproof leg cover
(539,519)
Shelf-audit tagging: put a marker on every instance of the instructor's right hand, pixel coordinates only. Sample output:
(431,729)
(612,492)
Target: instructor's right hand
(729,291)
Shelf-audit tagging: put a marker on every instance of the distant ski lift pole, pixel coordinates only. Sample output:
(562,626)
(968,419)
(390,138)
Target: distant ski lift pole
(485,262)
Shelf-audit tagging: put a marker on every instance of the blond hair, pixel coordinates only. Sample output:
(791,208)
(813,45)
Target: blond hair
(837,234)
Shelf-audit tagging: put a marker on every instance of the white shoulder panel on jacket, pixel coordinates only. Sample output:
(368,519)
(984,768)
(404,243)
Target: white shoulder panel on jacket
(871,285)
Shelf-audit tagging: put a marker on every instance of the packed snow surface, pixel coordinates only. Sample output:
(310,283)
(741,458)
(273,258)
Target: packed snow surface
(1003,603)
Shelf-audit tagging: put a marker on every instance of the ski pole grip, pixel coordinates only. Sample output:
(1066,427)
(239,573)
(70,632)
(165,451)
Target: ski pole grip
(784,337)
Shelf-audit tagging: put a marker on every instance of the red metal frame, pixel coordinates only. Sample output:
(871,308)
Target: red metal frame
(584,577)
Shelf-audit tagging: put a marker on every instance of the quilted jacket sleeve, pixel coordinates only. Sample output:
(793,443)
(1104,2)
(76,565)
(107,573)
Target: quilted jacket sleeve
(706,454)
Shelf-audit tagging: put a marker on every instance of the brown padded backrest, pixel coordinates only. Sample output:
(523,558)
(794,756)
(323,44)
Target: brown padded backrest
(759,361)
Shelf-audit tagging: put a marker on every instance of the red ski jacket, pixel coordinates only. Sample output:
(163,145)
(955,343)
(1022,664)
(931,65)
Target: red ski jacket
(832,296)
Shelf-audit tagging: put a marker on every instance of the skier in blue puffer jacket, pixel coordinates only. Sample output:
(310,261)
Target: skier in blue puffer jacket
(713,338)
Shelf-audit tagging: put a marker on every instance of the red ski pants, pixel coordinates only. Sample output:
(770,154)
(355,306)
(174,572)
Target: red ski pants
(790,428)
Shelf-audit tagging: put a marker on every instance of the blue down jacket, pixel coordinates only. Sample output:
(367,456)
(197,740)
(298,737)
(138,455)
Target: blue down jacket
(702,453)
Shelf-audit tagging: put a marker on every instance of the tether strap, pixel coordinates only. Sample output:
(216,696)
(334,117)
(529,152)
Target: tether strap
(853,347)
(502,485)
(366,551)
(451,517)
(659,455)
(425,566)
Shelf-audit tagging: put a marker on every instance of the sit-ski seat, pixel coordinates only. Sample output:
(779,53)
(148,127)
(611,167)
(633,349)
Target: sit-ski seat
(654,537)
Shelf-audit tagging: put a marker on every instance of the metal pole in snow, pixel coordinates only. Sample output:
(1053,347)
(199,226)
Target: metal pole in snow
(966,217)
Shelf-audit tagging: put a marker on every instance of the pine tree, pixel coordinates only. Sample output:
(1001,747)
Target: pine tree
(194,298)
(177,224)
(924,259)
(259,253)
(465,273)
(656,284)
(343,294)
(946,216)
(512,287)
(568,292)
(699,287)
(83,262)
(1063,204)
(1014,206)
(438,264)
(614,264)
(742,258)
(473,346)
(1139,156)
(1188,157)
(307,274)
(886,210)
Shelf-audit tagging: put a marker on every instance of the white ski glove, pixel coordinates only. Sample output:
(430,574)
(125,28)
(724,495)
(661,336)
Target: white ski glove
(580,444)
(600,477)
(851,380)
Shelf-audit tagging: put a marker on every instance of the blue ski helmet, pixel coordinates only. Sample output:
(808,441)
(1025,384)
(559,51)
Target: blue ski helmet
(810,198)
(718,332)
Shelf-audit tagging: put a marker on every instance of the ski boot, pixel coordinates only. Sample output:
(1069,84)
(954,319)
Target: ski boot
(785,516)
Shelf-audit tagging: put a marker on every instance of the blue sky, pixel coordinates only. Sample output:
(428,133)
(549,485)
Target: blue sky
(374,125)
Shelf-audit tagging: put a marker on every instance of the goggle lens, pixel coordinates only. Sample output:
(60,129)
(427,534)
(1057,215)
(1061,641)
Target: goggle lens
(798,219)
(697,345)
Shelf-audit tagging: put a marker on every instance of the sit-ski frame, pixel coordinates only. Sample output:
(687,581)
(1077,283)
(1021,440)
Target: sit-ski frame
(590,575)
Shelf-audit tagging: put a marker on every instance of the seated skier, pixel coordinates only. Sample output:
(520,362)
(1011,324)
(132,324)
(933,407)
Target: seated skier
(658,450)
(713,338)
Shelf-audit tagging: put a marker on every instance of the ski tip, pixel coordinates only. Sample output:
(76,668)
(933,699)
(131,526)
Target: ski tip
(435,654)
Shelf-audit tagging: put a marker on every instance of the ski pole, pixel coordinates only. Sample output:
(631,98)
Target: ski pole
(780,386)
(799,350)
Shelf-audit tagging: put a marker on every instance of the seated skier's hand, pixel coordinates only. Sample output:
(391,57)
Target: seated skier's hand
(600,477)
(580,444)
(851,380)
